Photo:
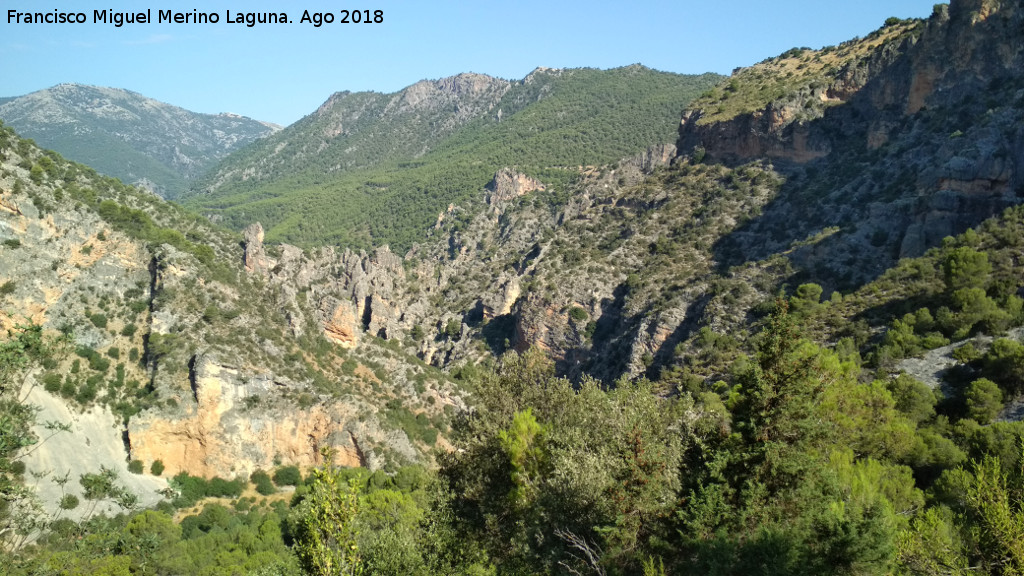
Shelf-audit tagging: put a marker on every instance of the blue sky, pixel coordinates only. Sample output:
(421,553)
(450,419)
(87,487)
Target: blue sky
(279,73)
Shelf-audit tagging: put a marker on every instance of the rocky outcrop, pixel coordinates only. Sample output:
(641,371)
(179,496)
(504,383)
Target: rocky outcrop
(896,72)
(237,425)
(470,93)
(254,257)
(507,185)
(9,206)
(354,292)
(770,133)
(653,157)
(500,302)
(342,323)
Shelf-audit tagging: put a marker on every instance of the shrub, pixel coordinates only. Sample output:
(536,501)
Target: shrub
(984,400)
(287,476)
(578,314)
(12,243)
(7,288)
(128,330)
(135,467)
(913,397)
(68,390)
(98,320)
(52,382)
(157,468)
(262,481)
(221,488)
(966,353)
(98,363)
(453,329)
(69,502)
(211,314)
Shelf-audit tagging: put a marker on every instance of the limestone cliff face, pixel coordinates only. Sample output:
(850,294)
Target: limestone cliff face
(895,72)
(255,257)
(194,352)
(508,185)
(237,424)
(895,140)
(352,292)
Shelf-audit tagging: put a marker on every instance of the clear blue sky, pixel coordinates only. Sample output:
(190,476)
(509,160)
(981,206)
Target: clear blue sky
(279,73)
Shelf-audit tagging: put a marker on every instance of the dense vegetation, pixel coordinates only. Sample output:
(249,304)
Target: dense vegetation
(388,175)
(791,466)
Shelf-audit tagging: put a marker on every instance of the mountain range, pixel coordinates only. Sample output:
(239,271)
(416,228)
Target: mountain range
(128,136)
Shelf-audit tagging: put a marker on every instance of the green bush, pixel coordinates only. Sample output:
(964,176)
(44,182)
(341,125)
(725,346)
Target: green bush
(453,329)
(7,288)
(984,400)
(966,353)
(52,382)
(135,467)
(69,502)
(191,489)
(86,394)
(578,314)
(68,389)
(913,397)
(262,482)
(211,314)
(157,468)
(287,476)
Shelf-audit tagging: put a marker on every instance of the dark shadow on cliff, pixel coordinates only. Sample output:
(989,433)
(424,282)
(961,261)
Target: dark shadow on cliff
(665,355)
(608,354)
(891,185)
(499,333)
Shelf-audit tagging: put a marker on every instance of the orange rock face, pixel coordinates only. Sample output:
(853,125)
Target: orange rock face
(221,437)
(343,327)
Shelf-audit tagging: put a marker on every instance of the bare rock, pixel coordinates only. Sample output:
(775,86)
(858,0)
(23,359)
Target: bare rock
(507,185)
(255,257)
(341,324)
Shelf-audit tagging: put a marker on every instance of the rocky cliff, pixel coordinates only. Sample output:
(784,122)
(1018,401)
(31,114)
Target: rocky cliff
(827,165)
(192,358)
(895,140)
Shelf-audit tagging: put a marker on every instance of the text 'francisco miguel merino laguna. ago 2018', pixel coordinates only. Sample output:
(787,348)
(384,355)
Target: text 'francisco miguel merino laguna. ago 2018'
(119,19)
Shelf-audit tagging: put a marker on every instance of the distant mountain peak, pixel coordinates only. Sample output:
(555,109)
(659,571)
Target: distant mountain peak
(128,135)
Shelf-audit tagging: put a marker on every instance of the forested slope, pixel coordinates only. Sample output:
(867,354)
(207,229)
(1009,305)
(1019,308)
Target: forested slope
(369,169)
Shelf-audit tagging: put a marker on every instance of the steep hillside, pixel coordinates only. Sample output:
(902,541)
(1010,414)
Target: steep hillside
(129,136)
(813,167)
(888,143)
(197,364)
(369,169)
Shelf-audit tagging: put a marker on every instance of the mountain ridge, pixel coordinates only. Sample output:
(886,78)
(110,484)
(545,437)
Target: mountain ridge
(406,156)
(128,135)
